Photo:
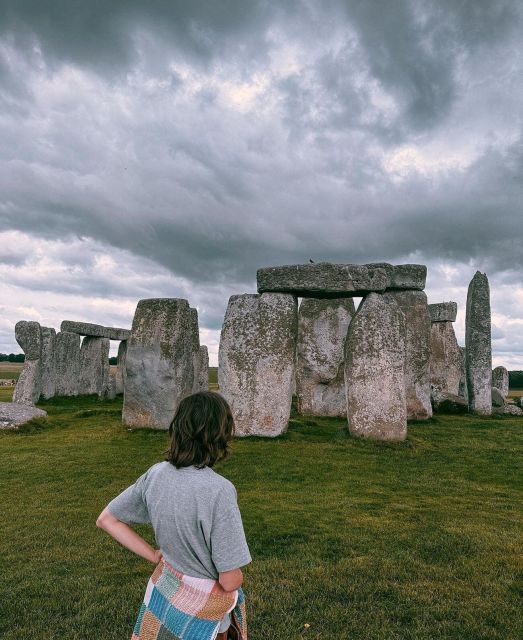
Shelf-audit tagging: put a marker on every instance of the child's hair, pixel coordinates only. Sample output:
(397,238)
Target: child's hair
(200,431)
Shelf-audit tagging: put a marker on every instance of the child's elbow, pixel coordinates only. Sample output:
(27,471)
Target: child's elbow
(231,580)
(103,519)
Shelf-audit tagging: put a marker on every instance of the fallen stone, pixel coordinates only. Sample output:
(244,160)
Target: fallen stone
(512,410)
(413,304)
(120,367)
(498,399)
(403,276)
(28,387)
(375,353)
(500,380)
(256,361)
(94,366)
(446,358)
(94,330)
(323,280)
(67,363)
(159,364)
(13,415)
(443,312)
(444,402)
(202,371)
(478,345)
(320,376)
(48,377)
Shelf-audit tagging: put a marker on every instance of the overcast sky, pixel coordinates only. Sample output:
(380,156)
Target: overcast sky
(171,148)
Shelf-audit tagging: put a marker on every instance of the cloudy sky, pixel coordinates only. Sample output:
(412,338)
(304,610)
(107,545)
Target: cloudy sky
(171,148)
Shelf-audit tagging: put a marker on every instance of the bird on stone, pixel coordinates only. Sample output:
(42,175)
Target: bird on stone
(311,260)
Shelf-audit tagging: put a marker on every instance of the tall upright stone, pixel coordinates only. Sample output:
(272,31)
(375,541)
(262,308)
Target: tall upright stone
(500,380)
(201,376)
(195,334)
(120,367)
(159,362)
(28,387)
(478,345)
(94,366)
(375,357)
(67,363)
(47,371)
(446,359)
(414,306)
(320,372)
(256,361)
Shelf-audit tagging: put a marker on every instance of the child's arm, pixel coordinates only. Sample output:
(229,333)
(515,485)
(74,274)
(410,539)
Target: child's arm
(231,580)
(127,537)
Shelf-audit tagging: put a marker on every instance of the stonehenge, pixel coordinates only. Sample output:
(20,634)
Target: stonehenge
(94,330)
(29,337)
(446,358)
(322,328)
(478,345)
(256,361)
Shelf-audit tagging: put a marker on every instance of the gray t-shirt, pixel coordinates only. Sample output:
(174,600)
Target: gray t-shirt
(194,514)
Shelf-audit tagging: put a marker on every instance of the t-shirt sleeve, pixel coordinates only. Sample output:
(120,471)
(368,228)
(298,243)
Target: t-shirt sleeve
(130,506)
(229,549)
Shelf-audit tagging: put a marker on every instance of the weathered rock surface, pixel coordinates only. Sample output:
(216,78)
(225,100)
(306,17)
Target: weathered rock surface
(512,410)
(29,337)
(519,402)
(256,361)
(67,363)
(320,376)
(478,345)
(13,414)
(201,376)
(463,389)
(498,399)
(446,358)
(109,392)
(444,402)
(500,380)
(375,354)
(413,304)
(120,367)
(403,276)
(47,372)
(94,366)
(94,330)
(159,363)
(443,312)
(195,335)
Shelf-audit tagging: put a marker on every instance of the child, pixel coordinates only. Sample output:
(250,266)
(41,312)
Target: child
(195,589)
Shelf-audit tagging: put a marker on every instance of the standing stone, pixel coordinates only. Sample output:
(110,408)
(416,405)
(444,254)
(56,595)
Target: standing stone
(195,335)
(47,371)
(500,380)
(67,363)
(94,366)
(320,373)
(418,338)
(256,361)
(446,359)
(29,337)
(375,354)
(109,392)
(120,367)
(201,376)
(478,345)
(158,363)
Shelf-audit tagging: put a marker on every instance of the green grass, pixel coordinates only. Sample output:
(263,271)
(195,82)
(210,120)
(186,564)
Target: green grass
(358,539)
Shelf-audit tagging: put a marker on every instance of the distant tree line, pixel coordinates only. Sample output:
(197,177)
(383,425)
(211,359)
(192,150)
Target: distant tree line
(515,379)
(12,357)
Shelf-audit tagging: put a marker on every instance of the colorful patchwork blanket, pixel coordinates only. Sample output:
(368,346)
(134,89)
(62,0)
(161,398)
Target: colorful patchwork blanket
(179,607)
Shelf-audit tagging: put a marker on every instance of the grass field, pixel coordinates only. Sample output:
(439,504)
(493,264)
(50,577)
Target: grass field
(361,540)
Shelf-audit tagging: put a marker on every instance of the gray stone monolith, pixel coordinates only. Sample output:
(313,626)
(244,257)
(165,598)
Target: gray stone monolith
(375,357)
(195,335)
(500,380)
(201,377)
(120,367)
(418,345)
(94,366)
(109,392)
(446,359)
(320,372)
(478,345)
(256,361)
(28,387)
(159,363)
(48,377)
(67,363)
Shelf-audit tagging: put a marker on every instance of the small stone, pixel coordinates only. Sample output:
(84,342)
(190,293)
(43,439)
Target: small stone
(512,410)
(478,345)
(443,312)
(13,415)
(375,352)
(95,330)
(256,361)
(500,380)
(444,402)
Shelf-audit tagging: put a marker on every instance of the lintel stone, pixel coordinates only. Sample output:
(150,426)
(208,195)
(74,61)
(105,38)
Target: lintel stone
(443,312)
(95,330)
